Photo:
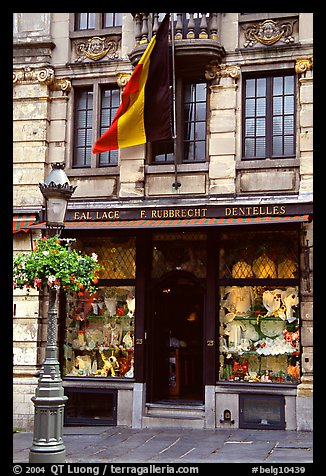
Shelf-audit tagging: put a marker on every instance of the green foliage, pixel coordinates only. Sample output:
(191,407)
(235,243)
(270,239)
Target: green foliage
(55,265)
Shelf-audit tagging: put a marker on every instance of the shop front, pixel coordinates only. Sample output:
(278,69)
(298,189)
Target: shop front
(196,320)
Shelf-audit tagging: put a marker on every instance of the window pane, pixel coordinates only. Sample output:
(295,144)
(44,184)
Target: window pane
(112,19)
(200,130)
(261,107)
(288,104)
(278,86)
(288,124)
(194,121)
(250,107)
(200,151)
(250,147)
(277,146)
(79,157)
(289,84)
(201,92)
(183,250)
(250,127)
(261,147)
(260,127)
(83,127)
(277,105)
(201,112)
(189,151)
(250,88)
(85,21)
(262,255)
(108,110)
(82,119)
(288,145)
(277,125)
(261,87)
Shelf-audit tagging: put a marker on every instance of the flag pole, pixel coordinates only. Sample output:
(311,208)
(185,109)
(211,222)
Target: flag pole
(176,184)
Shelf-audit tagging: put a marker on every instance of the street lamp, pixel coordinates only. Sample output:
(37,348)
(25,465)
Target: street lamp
(49,399)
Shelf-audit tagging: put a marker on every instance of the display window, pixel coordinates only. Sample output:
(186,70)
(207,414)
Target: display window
(259,322)
(99,333)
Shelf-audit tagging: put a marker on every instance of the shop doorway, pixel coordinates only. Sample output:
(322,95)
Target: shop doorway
(176,347)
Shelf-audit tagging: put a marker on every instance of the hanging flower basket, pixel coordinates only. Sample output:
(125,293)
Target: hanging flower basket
(54,265)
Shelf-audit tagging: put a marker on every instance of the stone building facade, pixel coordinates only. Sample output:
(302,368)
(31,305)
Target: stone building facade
(58,56)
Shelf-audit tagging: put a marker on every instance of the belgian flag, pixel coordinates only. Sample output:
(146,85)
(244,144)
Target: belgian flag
(144,114)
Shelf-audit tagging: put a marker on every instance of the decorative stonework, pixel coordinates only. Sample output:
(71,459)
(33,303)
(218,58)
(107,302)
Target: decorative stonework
(214,72)
(96,48)
(303,64)
(268,33)
(122,79)
(44,75)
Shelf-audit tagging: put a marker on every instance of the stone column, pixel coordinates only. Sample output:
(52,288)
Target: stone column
(39,137)
(222,127)
(131,162)
(303,68)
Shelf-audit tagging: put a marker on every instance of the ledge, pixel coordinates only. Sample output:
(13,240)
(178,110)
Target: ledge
(266,164)
(97,382)
(250,387)
(181,168)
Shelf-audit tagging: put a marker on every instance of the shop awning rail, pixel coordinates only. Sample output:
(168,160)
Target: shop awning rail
(23,222)
(173,223)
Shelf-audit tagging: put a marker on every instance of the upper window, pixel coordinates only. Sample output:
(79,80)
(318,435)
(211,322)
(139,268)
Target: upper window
(191,127)
(269,117)
(87,124)
(95,21)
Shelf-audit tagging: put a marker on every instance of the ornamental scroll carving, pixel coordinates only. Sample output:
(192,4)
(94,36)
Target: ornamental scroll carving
(45,75)
(96,48)
(214,72)
(303,64)
(122,79)
(268,33)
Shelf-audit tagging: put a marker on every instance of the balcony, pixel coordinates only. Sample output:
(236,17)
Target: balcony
(195,34)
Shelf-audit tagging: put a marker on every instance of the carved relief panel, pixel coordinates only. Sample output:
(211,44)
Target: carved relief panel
(96,48)
(281,31)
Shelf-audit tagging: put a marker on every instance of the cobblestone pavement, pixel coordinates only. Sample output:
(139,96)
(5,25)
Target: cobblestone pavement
(125,445)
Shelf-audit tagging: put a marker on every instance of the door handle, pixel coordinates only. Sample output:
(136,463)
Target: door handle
(210,342)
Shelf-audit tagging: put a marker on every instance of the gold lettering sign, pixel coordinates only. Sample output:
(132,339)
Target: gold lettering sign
(254,211)
(178,213)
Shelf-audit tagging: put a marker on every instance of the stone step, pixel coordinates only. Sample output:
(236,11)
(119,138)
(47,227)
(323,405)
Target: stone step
(173,416)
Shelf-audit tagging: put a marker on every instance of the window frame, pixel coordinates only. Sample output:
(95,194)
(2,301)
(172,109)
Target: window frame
(223,282)
(269,76)
(181,84)
(97,87)
(99,23)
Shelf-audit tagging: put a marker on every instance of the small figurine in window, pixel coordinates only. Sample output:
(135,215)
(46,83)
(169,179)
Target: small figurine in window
(110,366)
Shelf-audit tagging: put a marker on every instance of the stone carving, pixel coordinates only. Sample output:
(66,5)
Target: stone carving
(303,64)
(122,79)
(41,75)
(214,72)
(268,33)
(96,48)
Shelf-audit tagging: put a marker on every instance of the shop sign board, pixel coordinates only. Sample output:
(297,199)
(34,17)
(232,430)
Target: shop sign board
(110,213)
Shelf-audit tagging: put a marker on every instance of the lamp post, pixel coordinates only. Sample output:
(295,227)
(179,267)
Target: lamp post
(49,399)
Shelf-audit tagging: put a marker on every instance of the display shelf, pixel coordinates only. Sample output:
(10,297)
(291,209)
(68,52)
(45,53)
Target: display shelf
(240,353)
(260,317)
